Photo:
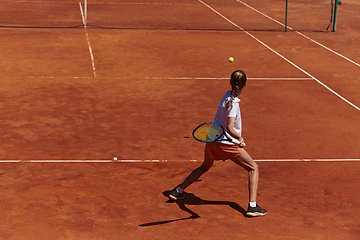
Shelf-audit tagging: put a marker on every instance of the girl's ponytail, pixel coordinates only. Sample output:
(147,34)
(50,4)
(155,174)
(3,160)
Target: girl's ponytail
(238,82)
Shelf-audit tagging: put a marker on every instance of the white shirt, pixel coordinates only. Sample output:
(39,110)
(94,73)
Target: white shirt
(223,113)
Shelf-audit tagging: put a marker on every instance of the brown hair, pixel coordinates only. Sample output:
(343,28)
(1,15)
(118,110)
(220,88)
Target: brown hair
(238,82)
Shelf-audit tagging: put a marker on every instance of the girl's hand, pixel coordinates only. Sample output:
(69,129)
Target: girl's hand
(242,143)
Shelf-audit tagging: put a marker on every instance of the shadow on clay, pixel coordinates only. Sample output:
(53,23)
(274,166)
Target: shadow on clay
(191,199)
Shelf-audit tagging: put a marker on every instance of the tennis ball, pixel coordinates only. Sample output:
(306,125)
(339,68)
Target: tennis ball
(231,59)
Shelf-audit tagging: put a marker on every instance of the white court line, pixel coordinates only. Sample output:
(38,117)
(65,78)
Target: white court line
(91,161)
(336,53)
(301,34)
(56,161)
(284,58)
(173,161)
(227,78)
(88,40)
(170,78)
(263,14)
(308,160)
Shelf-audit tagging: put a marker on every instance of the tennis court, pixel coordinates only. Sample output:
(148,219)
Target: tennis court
(73,97)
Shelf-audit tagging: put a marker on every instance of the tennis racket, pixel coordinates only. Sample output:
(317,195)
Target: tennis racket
(211,132)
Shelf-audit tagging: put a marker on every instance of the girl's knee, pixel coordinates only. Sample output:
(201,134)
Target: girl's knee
(207,164)
(253,167)
(256,166)
(205,167)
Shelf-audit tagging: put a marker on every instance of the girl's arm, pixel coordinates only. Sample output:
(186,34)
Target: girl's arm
(231,130)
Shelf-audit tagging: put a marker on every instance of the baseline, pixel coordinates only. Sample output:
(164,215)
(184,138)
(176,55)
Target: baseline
(169,161)
(170,78)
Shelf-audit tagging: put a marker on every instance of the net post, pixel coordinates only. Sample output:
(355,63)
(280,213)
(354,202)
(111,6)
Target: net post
(85,13)
(335,14)
(286,15)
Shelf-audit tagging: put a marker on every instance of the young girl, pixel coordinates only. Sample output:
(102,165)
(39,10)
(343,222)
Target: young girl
(228,115)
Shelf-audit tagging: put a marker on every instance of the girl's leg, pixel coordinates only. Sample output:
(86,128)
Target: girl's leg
(177,192)
(196,174)
(245,161)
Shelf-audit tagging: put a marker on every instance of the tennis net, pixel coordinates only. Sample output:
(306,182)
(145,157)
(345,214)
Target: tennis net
(313,15)
(44,14)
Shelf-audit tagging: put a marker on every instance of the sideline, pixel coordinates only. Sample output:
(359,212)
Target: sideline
(88,40)
(301,34)
(284,58)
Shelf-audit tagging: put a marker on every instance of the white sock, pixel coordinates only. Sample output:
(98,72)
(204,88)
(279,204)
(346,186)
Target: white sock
(252,204)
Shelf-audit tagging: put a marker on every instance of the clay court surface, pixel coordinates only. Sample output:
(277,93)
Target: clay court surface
(73,99)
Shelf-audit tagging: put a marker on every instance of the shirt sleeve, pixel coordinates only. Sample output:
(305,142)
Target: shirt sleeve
(233,111)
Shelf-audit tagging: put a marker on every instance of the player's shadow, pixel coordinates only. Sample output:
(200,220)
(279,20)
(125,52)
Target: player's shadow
(191,199)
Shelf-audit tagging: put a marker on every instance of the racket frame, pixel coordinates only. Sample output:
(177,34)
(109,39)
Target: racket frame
(215,139)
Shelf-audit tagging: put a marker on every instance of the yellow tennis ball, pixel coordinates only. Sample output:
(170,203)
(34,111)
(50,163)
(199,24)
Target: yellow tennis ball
(231,59)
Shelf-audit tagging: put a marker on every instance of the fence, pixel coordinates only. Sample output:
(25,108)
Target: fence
(232,15)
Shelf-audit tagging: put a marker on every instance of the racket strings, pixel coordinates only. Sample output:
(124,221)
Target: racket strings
(208,132)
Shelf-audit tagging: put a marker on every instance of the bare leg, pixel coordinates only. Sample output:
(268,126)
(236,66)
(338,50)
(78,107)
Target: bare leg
(245,161)
(196,174)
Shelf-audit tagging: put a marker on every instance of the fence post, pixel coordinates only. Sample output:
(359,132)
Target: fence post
(85,12)
(335,14)
(286,14)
